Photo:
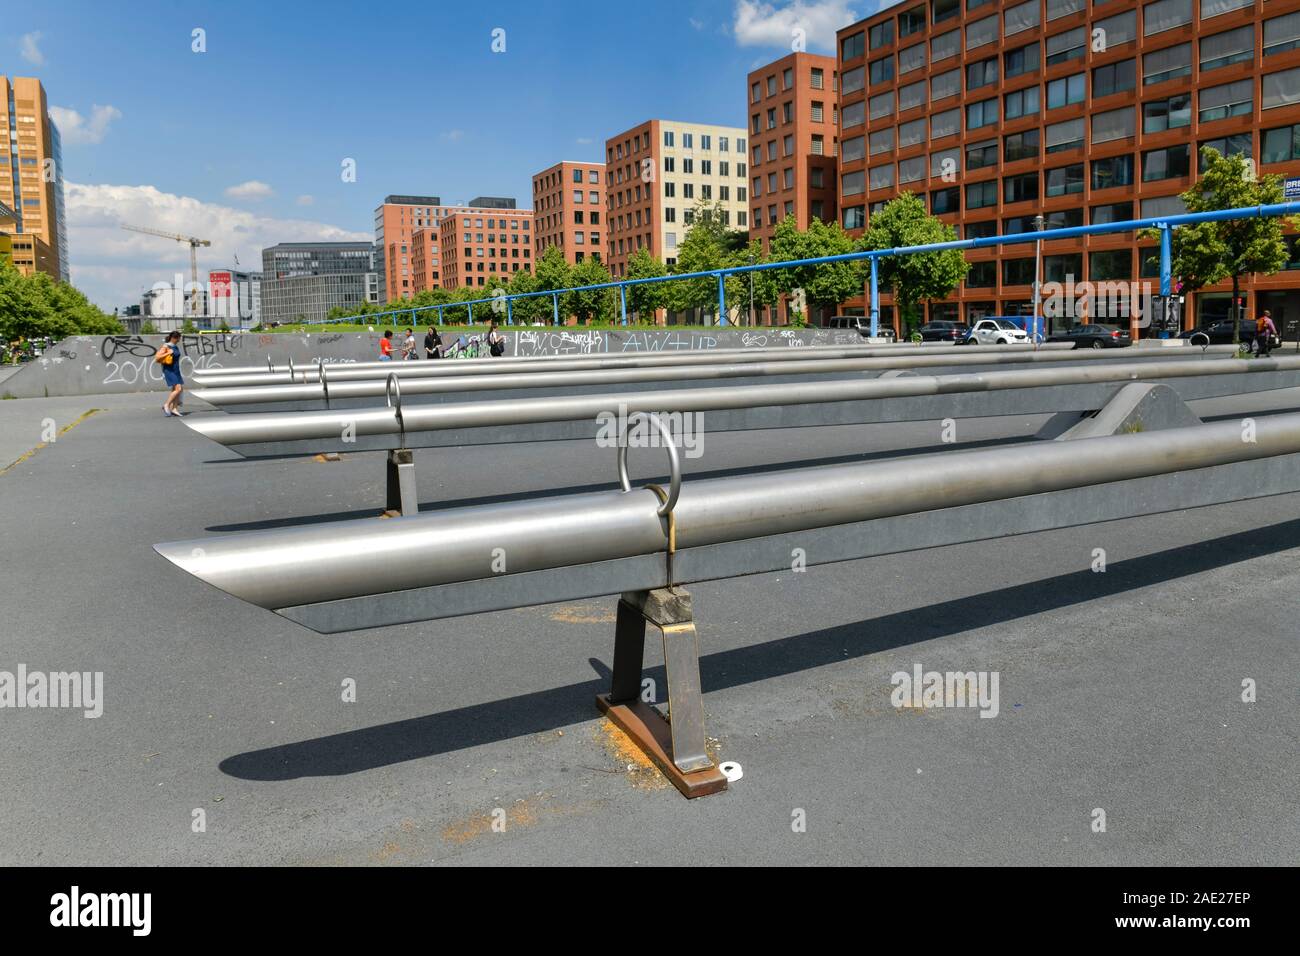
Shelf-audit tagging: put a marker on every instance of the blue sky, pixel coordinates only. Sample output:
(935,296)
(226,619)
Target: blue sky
(243,143)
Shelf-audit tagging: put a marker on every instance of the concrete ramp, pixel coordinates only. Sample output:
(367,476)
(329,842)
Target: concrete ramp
(1135,407)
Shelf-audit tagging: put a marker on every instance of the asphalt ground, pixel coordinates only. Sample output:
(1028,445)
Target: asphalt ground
(1119,691)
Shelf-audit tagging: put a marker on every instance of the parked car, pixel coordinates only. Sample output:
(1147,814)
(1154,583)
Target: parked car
(1220,333)
(1093,336)
(941,330)
(862,324)
(996,332)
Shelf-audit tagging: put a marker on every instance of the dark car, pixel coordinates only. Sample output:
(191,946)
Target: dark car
(1220,333)
(1094,336)
(944,331)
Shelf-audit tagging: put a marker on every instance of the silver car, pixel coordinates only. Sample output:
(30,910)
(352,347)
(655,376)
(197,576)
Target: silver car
(997,332)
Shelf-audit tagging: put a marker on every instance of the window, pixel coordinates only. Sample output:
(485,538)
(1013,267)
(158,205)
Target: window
(787,146)
(981,230)
(1280,89)
(1280,33)
(1017,271)
(1165,15)
(1230,99)
(1224,49)
(1021,103)
(1019,146)
(771,86)
(882,70)
(911,58)
(882,104)
(1212,8)
(911,96)
(818,111)
(1162,206)
(1064,180)
(945,84)
(1114,171)
(1281,145)
(755,93)
(852,80)
(787,81)
(911,133)
(1019,18)
(1062,8)
(1062,268)
(818,78)
(941,10)
(853,114)
(1066,46)
(979,195)
(911,21)
(881,177)
(947,123)
(1066,90)
(852,184)
(982,155)
(945,161)
(1172,113)
(944,201)
(1017,62)
(910,170)
(1062,136)
(851,150)
(668,137)
(983,113)
(981,32)
(882,34)
(881,141)
(1113,212)
(1121,28)
(945,45)
(1110,265)
(983,73)
(1114,78)
(1167,64)
(855,217)
(1238,144)
(1170,163)
(1020,188)
(982,275)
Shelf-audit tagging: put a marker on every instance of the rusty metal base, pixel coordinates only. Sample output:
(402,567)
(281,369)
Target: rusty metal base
(651,733)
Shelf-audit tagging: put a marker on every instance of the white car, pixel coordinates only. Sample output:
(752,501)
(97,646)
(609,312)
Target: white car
(997,332)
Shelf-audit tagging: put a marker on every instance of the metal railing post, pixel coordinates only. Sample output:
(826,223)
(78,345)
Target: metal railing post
(622,295)
(875,300)
(555,307)
(722,300)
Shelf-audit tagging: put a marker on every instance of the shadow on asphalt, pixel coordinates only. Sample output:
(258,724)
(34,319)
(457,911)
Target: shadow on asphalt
(372,747)
(271,523)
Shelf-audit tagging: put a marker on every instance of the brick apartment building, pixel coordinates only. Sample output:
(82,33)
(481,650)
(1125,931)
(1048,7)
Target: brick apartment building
(656,173)
(404,224)
(31,180)
(569,209)
(1084,112)
(793,140)
(483,246)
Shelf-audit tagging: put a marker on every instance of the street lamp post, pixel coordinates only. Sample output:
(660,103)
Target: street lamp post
(1039,223)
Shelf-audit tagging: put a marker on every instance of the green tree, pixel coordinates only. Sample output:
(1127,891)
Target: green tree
(38,305)
(596,305)
(643,299)
(917,277)
(709,244)
(1208,252)
(825,285)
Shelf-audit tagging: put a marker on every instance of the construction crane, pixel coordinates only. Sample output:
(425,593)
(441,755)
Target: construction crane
(194,244)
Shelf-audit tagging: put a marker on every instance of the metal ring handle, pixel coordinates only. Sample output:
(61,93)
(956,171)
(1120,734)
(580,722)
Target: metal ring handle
(393,396)
(324,385)
(291,369)
(269,366)
(674,463)
(1191,340)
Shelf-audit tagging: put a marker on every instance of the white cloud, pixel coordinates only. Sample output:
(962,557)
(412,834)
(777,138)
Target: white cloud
(253,189)
(30,51)
(114,266)
(454,135)
(758,23)
(75,128)
(585,140)
(305,200)
(697,25)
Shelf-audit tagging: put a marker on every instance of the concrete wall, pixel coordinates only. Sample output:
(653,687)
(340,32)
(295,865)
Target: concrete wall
(97,365)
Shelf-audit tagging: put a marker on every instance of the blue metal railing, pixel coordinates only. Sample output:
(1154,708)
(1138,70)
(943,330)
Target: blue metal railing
(1164,223)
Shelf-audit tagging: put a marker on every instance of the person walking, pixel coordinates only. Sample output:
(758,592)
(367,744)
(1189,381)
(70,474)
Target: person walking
(408,346)
(433,344)
(386,346)
(169,357)
(1265,334)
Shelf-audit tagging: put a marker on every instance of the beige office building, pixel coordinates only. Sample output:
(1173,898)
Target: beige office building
(657,172)
(31,178)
